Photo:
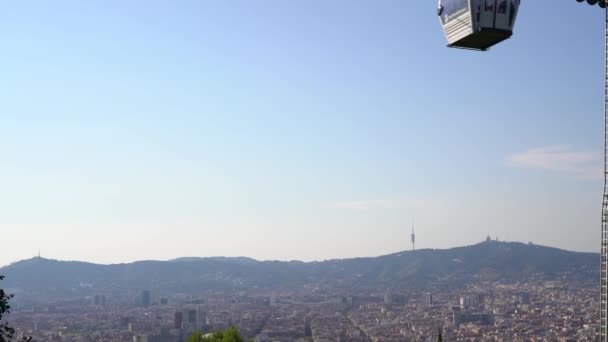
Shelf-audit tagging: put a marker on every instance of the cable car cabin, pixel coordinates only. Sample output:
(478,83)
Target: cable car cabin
(477,24)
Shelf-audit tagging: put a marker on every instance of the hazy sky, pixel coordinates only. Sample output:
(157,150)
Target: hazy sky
(300,129)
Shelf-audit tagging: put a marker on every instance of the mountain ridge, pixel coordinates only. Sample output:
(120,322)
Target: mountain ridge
(490,260)
(246,259)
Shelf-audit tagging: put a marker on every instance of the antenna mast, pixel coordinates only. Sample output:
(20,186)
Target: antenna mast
(413,237)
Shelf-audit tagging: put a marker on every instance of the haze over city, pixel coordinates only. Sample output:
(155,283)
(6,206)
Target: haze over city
(304,130)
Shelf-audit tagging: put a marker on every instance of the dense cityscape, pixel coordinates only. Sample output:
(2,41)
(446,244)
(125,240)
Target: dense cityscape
(563,307)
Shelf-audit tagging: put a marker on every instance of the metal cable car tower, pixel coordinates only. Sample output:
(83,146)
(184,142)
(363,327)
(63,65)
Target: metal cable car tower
(481,24)
(604,245)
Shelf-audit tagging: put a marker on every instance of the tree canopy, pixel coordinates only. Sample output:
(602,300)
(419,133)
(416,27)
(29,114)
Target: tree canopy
(231,334)
(7,332)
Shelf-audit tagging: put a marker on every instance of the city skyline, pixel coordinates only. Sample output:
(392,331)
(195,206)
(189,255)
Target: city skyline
(477,291)
(306,131)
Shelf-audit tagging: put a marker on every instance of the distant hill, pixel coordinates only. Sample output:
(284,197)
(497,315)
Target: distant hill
(488,260)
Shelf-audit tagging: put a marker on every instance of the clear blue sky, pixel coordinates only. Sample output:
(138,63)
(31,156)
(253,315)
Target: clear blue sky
(292,129)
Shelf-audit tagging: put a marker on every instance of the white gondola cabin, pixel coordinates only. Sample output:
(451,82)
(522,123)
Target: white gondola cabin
(477,24)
